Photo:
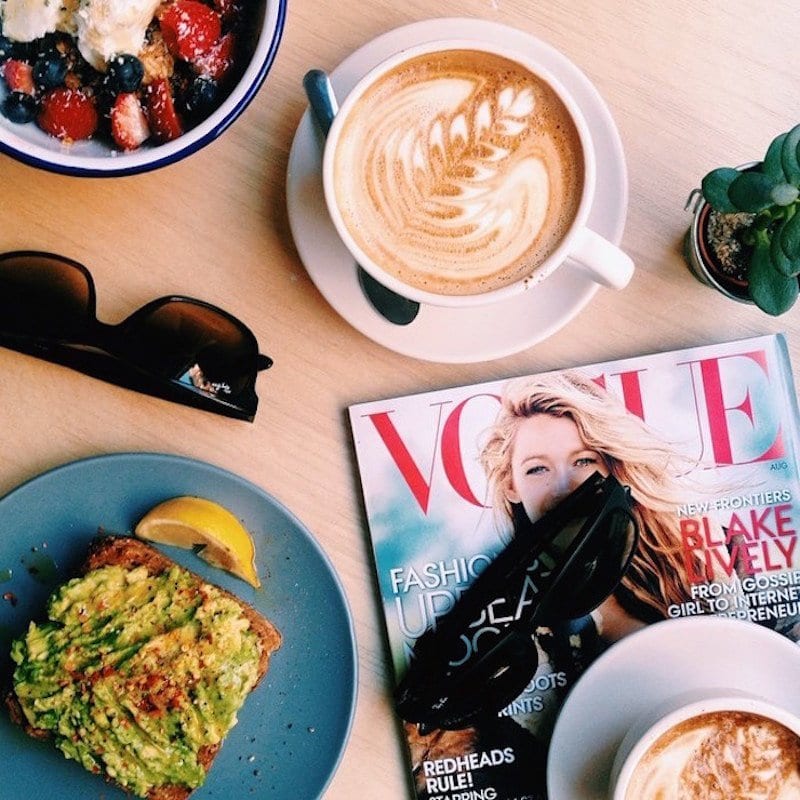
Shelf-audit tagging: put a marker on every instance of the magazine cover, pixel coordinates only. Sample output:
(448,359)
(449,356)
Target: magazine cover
(704,438)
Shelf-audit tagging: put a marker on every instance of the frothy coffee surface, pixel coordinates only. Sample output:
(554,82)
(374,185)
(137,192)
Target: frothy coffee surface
(459,172)
(724,755)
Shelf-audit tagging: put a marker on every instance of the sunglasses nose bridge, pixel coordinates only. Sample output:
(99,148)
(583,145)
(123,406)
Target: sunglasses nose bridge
(105,333)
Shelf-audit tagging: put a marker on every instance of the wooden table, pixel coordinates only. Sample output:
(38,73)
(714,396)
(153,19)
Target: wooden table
(691,86)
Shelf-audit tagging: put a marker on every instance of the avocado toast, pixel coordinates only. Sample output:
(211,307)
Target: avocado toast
(140,670)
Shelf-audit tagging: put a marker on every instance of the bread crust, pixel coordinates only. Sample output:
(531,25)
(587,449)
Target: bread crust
(130,553)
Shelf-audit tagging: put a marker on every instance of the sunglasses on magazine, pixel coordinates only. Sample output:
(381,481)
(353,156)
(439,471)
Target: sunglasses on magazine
(175,347)
(482,654)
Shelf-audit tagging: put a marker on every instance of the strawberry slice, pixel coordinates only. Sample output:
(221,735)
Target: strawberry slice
(129,126)
(190,28)
(165,124)
(19,76)
(229,10)
(68,114)
(218,60)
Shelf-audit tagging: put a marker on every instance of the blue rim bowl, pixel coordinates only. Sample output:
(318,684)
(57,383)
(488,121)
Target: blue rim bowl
(94,158)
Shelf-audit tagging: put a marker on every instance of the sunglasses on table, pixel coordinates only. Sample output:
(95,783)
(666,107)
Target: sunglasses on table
(176,348)
(481,655)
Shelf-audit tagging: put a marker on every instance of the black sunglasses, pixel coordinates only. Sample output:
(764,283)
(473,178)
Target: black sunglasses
(481,655)
(176,347)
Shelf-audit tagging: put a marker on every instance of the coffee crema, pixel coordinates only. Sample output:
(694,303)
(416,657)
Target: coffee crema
(458,172)
(721,755)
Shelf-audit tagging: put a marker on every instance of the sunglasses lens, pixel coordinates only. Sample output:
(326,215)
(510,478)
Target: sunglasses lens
(600,565)
(559,545)
(43,295)
(496,680)
(196,344)
(484,684)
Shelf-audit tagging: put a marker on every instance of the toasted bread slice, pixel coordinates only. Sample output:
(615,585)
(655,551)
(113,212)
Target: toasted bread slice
(131,553)
(125,551)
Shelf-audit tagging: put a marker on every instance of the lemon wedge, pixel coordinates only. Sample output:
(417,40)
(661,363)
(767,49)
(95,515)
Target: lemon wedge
(194,522)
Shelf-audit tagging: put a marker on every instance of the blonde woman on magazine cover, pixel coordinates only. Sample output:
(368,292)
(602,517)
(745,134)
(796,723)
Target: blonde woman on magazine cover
(551,434)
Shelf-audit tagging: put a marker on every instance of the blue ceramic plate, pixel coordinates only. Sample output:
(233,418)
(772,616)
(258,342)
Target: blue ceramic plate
(293,728)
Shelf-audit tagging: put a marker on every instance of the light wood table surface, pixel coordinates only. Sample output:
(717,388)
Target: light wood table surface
(691,85)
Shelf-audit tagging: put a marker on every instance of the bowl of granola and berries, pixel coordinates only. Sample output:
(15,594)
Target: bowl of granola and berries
(118,87)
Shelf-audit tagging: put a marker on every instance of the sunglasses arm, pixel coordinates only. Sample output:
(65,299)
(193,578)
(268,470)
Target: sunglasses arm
(98,364)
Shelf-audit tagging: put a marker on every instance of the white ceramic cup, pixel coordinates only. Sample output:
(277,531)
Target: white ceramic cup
(655,723)
(580,247)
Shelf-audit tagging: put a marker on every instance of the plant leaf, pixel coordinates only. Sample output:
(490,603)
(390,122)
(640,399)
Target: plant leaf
(789,155)
(780,261)
(751,191)
(715,189)
(772,165)
(772,292)
(789,235)
(784,194)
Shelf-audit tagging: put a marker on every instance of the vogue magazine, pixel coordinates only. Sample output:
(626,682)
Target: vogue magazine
(704,440)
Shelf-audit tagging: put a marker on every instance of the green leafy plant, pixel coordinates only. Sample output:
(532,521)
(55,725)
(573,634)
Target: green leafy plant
(771,192)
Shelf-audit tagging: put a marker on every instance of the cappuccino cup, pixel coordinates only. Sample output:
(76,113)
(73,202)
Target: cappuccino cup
(459,173)
(723,745)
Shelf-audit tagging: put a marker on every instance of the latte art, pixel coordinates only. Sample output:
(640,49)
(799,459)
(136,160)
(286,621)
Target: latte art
(458,172)
(724,755)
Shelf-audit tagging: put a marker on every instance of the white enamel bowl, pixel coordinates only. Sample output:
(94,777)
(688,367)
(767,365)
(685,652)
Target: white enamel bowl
(95,158)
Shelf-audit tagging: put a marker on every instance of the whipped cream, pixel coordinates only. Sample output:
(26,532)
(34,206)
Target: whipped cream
(103,28)
(108,27)
(26,20)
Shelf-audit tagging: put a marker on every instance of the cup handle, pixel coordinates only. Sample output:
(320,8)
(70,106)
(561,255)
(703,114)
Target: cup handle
(604,262)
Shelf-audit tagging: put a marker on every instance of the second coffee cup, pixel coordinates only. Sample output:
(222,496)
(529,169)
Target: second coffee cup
(712,743)
(459,173)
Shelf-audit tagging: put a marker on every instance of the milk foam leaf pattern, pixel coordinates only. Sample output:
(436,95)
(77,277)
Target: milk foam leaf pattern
(442,180)
(462,152)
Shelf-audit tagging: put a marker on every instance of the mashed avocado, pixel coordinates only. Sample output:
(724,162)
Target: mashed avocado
(134,674)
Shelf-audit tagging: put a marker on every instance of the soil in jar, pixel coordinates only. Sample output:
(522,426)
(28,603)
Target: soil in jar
(723,250)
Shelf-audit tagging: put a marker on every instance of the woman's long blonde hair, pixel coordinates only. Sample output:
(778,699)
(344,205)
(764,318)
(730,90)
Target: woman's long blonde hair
(633,453)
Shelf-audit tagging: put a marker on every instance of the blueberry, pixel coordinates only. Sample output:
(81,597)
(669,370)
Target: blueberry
(201,95)
(6,47)
(125,73)
(86,74)
(46,45)
(50,70)
(18,107)
(23,51)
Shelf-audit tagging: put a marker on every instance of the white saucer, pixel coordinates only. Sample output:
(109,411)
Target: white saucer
(650,667)
(446,334)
